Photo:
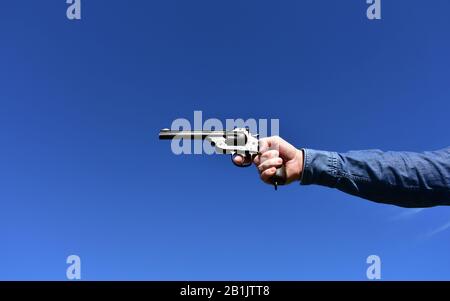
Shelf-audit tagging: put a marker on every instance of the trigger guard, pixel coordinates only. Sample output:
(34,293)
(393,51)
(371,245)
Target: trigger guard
(247,160)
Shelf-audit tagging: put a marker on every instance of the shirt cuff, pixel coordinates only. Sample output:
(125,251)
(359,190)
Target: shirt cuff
(320,167)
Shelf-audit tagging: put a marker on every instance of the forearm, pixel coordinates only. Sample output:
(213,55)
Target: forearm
(401,178)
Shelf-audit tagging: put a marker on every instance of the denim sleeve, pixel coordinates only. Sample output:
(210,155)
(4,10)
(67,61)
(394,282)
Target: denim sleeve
(404,179)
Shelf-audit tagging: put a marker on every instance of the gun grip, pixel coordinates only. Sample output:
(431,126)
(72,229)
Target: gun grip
(280,177)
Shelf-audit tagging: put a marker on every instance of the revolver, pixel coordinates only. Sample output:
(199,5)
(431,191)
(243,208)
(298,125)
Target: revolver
(236,142)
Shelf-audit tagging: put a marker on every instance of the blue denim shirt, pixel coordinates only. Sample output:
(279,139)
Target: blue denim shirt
(404,179)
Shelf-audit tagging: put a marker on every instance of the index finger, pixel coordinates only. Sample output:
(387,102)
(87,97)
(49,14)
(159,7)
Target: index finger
(264,145)
(268,143)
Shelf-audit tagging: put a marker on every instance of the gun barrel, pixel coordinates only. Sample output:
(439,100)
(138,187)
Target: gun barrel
(167,134)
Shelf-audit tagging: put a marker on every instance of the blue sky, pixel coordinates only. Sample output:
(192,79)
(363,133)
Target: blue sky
(82,171)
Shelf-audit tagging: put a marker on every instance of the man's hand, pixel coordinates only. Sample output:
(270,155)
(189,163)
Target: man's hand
(274,151)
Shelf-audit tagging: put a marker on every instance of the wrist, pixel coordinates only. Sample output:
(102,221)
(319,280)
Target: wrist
(300,161)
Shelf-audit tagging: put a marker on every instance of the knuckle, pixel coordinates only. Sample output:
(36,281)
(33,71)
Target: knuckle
(263,177)
(263,142)
(272,153)
(266,165)
(266,173)
(275,139)
(264,156)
